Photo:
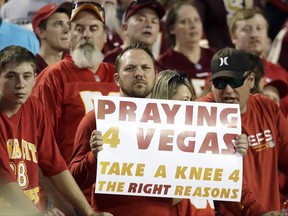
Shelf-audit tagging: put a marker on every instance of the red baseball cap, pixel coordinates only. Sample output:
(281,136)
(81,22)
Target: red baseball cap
(46,11)
(279,84)
(139,4)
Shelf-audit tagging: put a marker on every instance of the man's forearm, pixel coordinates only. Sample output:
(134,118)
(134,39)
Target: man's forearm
(68,187)
(15,196)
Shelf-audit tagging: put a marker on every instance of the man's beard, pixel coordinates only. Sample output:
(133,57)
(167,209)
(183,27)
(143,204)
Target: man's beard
(111,19)
(87,54)
(133,91)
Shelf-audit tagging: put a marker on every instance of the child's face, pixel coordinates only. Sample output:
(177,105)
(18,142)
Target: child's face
(16,83)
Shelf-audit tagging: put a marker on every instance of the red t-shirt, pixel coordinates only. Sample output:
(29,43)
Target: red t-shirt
(66,93)
(265,126)
(28,143)
(113,41)
(276,72)
(40,64)
(110,56)
(197,73)
(83,168)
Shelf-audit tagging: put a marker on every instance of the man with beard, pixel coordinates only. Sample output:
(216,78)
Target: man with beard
(135,74)
(233,77)
(249,32)
(141,23)
(113,25)
(66,88)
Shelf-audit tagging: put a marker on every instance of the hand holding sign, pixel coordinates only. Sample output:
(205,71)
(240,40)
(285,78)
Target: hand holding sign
(241,144)
(96,142)
(164,148)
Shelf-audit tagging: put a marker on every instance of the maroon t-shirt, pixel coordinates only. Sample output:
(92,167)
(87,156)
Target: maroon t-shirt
(197,73)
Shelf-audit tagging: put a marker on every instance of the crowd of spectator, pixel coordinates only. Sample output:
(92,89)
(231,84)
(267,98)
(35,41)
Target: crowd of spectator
(55,55)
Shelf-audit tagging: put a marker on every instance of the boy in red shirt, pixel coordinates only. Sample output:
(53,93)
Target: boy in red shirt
(27,141)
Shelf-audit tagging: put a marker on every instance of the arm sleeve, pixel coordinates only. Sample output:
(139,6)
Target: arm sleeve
(50,160)
(248,205)
(282,126)
(49,90)
(209,97)
(83,164)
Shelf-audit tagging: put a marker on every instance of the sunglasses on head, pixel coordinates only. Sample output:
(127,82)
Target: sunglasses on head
(98,6)
(220,83)
(178,77)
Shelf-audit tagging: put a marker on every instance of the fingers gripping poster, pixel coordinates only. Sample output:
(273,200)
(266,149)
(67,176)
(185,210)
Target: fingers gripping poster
(165,148)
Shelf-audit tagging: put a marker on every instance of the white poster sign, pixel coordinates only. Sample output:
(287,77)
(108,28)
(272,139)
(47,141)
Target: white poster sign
(166,148)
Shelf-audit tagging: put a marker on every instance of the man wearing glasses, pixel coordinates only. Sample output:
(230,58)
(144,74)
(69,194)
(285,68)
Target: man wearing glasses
(262,121)
(66,88)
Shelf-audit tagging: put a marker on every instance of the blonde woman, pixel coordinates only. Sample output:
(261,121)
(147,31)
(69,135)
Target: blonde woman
(173,86)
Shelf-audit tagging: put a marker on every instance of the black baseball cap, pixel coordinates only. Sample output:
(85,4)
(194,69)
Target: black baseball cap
(229,62)
(139,4)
